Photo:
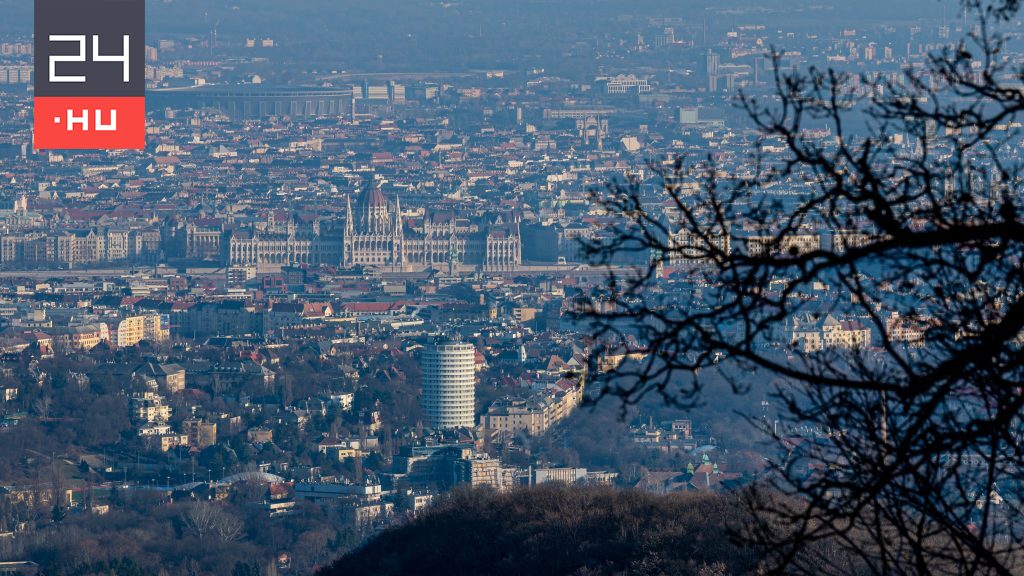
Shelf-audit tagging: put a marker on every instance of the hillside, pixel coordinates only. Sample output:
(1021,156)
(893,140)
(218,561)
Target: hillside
(560,531)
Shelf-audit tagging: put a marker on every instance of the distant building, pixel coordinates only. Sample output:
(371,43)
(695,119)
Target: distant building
(149,408)
(625,84)
(908,330)
(295,243)
(688,248)
(689,115)
(848,334)
(449,382)
(534,415)
(557,475)
(260,435)
(84,337)
(714,62)
(227,318)
(376,236)
(253,101)
(135,329)
(366,514)
(844,240)
(168,442)
(791,245)
(170,376)
(810,333)
(482,470)
(200,434)
(15,75)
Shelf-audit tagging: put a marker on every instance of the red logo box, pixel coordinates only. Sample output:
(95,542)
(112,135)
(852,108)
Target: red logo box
(90,123)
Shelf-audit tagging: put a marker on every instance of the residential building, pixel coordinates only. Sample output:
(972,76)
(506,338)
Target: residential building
(449,383)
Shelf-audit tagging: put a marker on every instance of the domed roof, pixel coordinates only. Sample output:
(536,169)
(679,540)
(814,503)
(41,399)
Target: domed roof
(372,197)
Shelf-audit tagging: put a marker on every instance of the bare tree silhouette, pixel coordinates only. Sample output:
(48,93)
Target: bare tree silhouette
(912,366)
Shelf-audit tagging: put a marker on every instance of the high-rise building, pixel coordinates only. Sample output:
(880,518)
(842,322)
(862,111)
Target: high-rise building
(449,381)
(714,61)
(871,52)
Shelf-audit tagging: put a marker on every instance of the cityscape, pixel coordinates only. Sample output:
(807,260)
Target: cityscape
(368,272)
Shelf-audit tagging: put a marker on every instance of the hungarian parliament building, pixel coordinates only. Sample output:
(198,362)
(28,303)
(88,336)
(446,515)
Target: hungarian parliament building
(373,236)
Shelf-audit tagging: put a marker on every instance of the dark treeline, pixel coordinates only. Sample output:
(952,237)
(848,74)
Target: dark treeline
(556,530)
(146,536)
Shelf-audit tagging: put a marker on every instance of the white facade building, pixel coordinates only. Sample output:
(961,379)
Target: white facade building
(449,382)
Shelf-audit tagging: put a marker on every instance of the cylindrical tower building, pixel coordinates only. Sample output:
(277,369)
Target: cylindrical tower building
(449,381)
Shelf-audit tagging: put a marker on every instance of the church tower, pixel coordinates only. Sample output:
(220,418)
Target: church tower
(398,238)
(347,245)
